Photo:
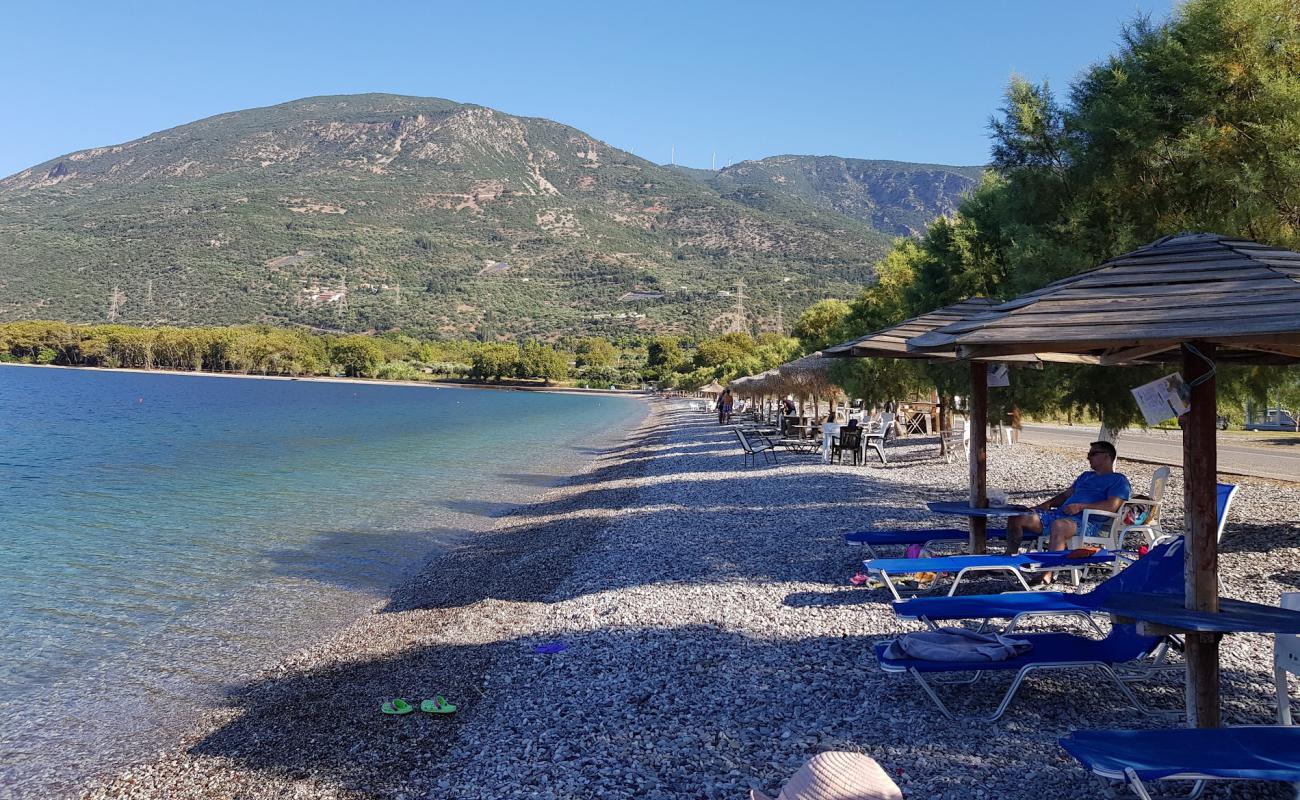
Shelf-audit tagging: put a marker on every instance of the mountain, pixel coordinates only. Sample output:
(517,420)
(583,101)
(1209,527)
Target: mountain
(380,212)
(891,196)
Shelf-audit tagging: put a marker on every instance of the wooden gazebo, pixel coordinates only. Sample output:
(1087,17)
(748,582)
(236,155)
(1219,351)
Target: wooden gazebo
(1194,299)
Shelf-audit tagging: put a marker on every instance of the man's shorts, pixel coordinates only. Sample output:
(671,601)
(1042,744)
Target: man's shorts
(1053,514)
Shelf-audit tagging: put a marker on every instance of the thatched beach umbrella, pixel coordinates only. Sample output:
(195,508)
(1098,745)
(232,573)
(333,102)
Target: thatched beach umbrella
(1194,299)
(892,342)
(810,375)
(713,388)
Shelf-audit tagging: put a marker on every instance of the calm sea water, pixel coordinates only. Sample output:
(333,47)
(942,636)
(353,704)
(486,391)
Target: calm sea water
(161,535)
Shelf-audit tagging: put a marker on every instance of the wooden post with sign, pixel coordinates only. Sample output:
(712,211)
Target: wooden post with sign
(1200,476)
(979,422)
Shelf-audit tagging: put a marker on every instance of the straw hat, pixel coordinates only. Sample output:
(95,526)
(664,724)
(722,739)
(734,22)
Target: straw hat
(837,776)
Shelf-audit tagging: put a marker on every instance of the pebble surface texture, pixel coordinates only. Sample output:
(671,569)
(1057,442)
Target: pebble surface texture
(713,643)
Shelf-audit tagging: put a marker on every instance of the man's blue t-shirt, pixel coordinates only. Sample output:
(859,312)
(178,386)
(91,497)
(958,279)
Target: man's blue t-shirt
(1093,488)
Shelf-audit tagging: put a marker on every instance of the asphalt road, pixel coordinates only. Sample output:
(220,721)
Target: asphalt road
(1279,459)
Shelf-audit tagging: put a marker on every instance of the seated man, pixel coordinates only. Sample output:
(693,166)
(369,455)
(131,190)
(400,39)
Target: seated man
(1101,488)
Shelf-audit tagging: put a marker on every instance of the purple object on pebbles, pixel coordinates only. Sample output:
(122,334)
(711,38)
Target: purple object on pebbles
(550,647)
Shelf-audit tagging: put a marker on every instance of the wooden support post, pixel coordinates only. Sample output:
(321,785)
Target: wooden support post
(979,421)
(1201,570)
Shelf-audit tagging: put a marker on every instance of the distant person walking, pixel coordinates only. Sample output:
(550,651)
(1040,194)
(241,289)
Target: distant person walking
(725,404)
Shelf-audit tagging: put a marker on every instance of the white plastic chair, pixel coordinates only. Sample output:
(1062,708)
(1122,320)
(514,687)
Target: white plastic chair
(829,431)
(1286,658)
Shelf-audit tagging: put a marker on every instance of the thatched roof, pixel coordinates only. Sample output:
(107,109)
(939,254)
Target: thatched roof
(1241,295)
(713,388)
(892,342)
(809,375)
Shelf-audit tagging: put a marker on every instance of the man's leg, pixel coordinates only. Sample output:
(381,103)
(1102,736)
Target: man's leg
(1016,528)
(1061,532)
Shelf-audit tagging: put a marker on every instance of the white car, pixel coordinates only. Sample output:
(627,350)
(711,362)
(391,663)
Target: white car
(1275,419)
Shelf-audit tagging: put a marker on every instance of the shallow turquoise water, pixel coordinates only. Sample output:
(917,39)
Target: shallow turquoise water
(160,535)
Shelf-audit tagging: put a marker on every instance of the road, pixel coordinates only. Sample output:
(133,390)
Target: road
(1277,457)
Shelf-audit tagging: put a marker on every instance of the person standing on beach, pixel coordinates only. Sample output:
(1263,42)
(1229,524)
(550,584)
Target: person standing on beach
(1100,488)
(724,407)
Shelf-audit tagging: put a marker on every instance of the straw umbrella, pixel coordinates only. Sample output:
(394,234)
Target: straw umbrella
(1194,299)
(810,374)
(892,342)
(713,388)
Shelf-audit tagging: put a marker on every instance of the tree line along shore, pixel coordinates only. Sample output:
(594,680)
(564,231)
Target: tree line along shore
(667,361)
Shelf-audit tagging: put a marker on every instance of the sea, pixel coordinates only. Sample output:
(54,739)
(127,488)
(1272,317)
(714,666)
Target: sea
(163,536)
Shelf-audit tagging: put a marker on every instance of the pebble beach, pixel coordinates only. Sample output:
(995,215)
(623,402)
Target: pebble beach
(700,638)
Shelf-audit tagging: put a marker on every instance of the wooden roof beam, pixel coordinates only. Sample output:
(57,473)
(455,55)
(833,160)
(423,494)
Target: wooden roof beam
(1134,354)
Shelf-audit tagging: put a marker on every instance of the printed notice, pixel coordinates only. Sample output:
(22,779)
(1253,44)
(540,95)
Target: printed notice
(1163,399)
(999,375)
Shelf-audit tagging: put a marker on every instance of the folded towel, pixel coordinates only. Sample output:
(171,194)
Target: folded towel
(956,644)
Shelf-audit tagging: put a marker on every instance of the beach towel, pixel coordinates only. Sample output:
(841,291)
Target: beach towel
(956,644)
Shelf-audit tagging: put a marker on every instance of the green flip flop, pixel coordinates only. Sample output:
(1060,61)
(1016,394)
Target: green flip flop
(438,705)
(398,706)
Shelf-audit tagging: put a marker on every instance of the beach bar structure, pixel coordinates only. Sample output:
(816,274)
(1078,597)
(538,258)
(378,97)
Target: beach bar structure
(892,342)
(1194,299)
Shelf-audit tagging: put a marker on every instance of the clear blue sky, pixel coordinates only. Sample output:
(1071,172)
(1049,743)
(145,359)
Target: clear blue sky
(914,81)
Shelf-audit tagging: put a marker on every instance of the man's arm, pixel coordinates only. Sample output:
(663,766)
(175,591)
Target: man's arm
(1110,504)
(1056,500)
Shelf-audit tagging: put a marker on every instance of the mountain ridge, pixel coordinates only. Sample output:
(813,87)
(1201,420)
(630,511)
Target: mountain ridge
(378,211)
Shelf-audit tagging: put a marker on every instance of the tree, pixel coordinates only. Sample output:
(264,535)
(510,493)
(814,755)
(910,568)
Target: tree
(715,352)
(664,357)
(537,360)
(595,352)
(820,324)
(358,356)
(494,361)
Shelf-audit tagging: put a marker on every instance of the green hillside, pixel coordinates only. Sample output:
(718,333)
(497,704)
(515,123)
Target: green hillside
(376,212)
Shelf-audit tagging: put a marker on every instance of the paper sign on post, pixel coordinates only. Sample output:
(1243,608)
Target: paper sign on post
(1166,398)
(999,375)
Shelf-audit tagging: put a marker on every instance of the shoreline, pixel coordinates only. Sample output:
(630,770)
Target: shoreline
(335,379)
(491,561)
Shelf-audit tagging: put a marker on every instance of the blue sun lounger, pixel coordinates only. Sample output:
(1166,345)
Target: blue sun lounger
(1251,752)
(1159,571)
(1256,753)
(960,566)
(1121,646)
(926,537)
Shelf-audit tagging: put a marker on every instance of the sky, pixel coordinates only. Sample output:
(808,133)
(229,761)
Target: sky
(714,82)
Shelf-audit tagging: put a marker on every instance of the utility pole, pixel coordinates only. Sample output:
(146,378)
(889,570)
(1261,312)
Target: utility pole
(343,293)
(714,163)
(148,294)
(673,157)
(115,301)
(738,323)
(780,320)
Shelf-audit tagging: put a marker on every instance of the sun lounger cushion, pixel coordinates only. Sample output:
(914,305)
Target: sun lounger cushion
(1264,752)
(1123,644)
(956,644)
